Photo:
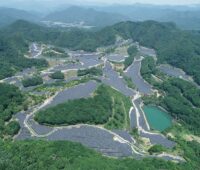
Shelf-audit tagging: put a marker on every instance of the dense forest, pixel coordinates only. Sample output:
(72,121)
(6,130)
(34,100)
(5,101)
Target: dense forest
(94,110)
(148,68)
(182,101)
(12,50)
(66,155)
(11,102)
(32,81)
(71,38)
(57,75)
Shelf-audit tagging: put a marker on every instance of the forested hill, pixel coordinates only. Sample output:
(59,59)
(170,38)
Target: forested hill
(10,15)
(12,49)
(70,38)
(173,46)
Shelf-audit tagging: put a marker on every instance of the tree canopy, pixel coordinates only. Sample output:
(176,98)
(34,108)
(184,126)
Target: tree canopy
(11,102)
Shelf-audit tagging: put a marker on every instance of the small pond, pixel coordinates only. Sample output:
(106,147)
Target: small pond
(157,118)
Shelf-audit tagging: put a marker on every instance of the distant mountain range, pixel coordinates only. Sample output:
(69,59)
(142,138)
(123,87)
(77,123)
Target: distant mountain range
(87,16)
(10,15)
(185,17)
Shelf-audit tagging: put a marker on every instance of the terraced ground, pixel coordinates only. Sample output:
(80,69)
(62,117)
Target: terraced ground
(113,138)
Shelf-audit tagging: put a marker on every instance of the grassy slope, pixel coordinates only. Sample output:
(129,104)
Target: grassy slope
(121,106)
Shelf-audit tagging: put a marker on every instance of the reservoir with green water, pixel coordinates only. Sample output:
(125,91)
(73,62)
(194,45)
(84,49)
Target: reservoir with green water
(157,118)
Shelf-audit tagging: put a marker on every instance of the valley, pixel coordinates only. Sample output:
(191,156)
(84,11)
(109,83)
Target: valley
(120,94)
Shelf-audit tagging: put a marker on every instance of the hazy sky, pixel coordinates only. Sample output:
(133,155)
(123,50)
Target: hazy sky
(170,2)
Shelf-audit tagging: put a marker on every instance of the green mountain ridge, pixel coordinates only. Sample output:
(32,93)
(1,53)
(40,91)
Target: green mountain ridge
(174,46)
(12,49)
(10,15)
(186,17)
